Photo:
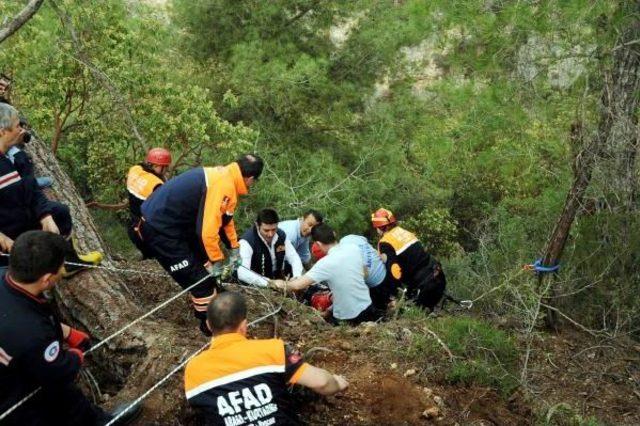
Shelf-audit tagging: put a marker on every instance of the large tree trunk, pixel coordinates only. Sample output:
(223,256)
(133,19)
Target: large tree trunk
(101,302)
(618,126)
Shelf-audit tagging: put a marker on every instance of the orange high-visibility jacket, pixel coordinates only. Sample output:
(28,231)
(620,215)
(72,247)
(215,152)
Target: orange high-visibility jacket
(200,201)
(242,381)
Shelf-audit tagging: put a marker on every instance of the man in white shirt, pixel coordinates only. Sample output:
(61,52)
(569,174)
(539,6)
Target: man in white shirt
(266,252)
(299,233)
(342,269)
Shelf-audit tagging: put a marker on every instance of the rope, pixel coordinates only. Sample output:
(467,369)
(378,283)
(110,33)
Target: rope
(107,268)
(178,368)
(539,268)
(112,336)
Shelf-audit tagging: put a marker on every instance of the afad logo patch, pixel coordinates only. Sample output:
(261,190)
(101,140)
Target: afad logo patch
(52,351)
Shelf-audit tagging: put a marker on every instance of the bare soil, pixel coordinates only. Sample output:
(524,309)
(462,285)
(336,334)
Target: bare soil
(594,377)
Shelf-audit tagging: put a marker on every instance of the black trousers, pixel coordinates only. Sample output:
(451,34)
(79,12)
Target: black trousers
(60,214)
(371,313)
(184,260)
(59,405)
(428,286)
(134,233)
(381,294)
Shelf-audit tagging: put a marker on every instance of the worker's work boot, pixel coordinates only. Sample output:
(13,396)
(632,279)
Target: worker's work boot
(76,262)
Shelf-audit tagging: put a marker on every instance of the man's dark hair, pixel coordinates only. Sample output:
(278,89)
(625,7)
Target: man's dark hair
(323,233)
(316,215)
(250,165)
(226,312)
(267,216)
(36,253)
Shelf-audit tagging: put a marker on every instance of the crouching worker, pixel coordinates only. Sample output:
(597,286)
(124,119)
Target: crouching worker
(32,342)
(238,380)
(266,250)
(24,207)
(342,270)
(142,180)
(187,219)
(407,262)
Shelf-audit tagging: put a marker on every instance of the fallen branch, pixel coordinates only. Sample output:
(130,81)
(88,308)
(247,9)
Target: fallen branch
(444,346)
(572,321)
(103,206)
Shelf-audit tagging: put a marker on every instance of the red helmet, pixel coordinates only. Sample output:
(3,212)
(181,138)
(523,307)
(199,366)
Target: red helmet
(382,217)
(158,157)
(317,252)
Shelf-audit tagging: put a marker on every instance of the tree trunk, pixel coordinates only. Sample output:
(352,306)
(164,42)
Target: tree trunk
(618,125)
(101,302)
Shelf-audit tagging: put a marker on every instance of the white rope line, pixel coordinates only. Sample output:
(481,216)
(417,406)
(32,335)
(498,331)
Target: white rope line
(112,336)
(19,403)
(106,268)
(178,368)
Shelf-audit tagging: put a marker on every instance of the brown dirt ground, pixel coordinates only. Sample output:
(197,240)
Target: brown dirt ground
(596,378)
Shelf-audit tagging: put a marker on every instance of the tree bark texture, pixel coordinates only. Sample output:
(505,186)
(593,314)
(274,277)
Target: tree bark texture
(21,18)
(618,126)
(101,302)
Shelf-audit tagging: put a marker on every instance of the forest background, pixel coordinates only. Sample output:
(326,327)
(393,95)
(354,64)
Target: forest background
(454,115)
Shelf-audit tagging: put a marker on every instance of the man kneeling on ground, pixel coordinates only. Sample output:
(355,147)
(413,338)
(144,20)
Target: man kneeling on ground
(238,381)
(266,250)
(32,355)
(342,269)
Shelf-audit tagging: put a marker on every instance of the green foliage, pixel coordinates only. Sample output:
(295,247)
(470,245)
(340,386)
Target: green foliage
(129,46)
(437,230)
(483,354)
(563,414)
(455,115)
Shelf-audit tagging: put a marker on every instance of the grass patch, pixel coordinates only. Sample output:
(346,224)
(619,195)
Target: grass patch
(483,354)
(564,415)
(114,232)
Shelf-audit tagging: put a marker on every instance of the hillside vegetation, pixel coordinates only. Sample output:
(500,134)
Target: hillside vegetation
(455,115)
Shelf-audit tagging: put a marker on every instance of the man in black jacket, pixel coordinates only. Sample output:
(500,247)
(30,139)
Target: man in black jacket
(23,206)
(32,355)
(265,250)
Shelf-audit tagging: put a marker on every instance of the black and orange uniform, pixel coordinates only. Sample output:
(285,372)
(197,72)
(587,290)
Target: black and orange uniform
(32,356)
(238,381)
(408,263)
(141,182)
(23,205)
(185,221)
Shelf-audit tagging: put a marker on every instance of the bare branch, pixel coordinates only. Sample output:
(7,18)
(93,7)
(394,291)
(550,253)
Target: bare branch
(21,18)
(114,207)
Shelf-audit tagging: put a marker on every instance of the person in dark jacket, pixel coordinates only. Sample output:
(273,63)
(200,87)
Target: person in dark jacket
(187,219)
(32,342)
(142,180)
(23,206)
(239,381)
(266,250)
(407,262)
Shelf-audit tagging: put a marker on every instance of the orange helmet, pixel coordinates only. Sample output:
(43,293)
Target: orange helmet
(158,157)
(382,217)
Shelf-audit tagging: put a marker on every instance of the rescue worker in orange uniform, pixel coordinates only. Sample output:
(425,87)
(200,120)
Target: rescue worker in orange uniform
(407,261)
(186,219)
(244,381)
(142,180)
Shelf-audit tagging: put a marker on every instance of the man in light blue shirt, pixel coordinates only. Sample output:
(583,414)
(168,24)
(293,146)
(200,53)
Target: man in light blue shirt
(299,232)
(342,269)
(380,287)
